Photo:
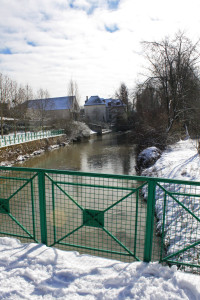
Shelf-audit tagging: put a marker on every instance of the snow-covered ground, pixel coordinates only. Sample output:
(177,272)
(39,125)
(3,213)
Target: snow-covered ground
(34,271)
(179,161)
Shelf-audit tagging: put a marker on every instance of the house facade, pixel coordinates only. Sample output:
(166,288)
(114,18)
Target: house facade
(95,109)
(53,108)
(100,110)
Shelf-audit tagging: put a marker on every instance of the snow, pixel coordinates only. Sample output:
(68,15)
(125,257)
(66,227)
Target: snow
(148,157)
(149,152)
(92,132)
(179,161)
(34,271)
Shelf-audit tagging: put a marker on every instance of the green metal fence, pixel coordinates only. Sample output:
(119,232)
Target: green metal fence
(128,218)
(12,139)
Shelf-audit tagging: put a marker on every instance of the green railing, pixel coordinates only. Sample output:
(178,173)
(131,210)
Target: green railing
(128,218)
(19,138)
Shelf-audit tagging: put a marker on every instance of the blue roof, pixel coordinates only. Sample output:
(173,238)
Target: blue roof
(95,100)
(58,103)
(114,102)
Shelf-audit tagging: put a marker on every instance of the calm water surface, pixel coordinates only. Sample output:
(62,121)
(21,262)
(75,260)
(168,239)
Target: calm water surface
(112,153)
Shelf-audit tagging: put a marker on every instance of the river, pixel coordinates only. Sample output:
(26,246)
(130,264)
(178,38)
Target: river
(111,153)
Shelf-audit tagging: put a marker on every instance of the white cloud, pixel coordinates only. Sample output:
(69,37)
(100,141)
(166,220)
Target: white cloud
(81,4)
(52,42)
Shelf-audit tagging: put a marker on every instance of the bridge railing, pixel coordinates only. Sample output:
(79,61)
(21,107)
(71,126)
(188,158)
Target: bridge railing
(128,218)
(19,138)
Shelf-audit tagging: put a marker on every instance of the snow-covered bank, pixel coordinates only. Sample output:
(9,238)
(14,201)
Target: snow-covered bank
(34,271)
(179,161)
(147,158)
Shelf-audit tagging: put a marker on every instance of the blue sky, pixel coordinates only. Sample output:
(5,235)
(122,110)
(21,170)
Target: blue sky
(96,42)
(5,51)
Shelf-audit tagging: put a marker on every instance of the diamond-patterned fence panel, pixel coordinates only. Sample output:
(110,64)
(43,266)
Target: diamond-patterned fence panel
(19,204)
(127,218)
(96,215)
(179,205)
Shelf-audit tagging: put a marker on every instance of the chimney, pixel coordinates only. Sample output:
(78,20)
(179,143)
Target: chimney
(86,99)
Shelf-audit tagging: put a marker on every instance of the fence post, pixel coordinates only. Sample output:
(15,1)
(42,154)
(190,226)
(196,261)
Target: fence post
(149,221)
(42,204)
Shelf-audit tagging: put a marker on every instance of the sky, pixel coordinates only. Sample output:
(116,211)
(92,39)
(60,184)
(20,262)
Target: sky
(96,43)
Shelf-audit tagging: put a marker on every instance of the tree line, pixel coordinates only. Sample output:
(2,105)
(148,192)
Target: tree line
(13,99)
(167,102)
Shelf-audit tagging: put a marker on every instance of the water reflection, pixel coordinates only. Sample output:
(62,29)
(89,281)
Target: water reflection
(112,153)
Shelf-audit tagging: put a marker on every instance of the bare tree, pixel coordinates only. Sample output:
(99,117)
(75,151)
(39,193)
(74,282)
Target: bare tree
(149,107)
(5,94)
(42,105)
(73,92)
(126,119)
(18,107)
(23,108)
(28,92)
(38,110)
(14,102)
(123,94)
(173,70)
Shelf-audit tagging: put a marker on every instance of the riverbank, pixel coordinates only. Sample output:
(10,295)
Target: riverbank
(179,161)
(20,152)
(75,132)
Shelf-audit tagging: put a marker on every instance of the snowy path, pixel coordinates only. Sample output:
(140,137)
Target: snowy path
(34,271)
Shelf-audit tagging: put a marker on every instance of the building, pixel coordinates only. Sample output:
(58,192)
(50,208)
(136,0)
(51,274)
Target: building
(54,108)
(100,110)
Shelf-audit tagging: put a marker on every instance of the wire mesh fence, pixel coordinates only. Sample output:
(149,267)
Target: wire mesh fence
(127,218)
(99,214)
(19,205)
(178,208)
